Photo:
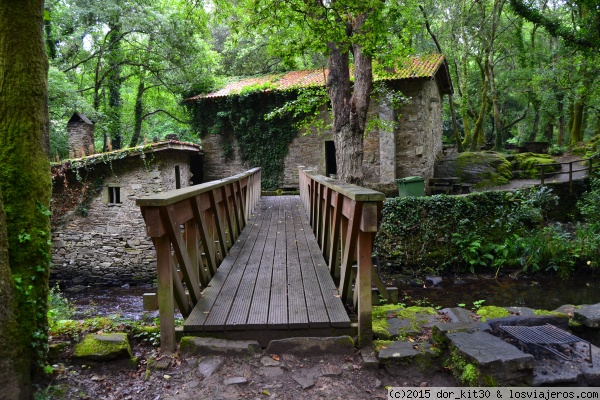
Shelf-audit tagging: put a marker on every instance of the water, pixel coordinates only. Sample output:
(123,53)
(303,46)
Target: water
(538,293)
(102,302)
(546,293)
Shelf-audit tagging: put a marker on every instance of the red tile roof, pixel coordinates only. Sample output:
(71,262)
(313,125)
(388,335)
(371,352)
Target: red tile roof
(420,67)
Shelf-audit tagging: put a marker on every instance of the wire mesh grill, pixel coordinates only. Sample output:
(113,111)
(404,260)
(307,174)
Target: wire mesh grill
(544,336)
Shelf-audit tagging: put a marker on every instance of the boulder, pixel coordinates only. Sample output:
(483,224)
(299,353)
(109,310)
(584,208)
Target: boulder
(485,168)
(103,347)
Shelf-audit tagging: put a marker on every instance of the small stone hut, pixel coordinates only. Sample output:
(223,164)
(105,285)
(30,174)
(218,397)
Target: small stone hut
(80,135)
(98,233)
(408,147)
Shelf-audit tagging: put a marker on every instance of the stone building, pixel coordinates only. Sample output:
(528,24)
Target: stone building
(99,236)
(408,146)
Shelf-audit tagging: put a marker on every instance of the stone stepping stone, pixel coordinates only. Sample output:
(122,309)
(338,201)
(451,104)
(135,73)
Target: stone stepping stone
(190,345)
(497,361)
(441,330)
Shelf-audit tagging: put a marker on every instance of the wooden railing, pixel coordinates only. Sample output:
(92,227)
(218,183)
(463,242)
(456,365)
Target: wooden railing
(344,219)
(589,168)
(192,230)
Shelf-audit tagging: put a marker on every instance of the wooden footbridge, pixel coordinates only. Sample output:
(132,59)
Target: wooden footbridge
(244,267)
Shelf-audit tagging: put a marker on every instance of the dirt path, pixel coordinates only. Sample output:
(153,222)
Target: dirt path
(263,376)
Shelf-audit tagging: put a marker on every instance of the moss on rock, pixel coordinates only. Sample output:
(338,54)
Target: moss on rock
(525,162)
(103,347)
(488,312)
(487,168)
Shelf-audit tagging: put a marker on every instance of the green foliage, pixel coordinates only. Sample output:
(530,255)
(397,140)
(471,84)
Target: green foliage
(459,232)
(59,307)
(262,141)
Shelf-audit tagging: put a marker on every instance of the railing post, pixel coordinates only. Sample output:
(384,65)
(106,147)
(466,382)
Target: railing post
(166,308)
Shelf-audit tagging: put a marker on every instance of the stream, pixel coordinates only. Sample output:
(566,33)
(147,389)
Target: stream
(538,293)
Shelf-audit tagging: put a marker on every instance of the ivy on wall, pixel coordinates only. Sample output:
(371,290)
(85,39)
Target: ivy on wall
(263,136)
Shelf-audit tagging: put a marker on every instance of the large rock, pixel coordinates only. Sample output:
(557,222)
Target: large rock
(103,347)
(485,168)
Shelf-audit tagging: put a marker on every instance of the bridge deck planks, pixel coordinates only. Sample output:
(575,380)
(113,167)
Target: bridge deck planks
(273,278)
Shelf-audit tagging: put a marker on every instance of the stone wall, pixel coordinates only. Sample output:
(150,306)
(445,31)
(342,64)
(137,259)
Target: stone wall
(109,246)
(419,131)
(410,149)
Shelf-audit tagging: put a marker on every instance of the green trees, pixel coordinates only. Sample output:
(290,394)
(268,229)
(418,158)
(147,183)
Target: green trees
(25,188)
(352,35)
(131,63)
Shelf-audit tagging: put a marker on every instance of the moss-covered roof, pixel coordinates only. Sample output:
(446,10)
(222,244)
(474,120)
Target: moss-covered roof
(111,156)
(413,68)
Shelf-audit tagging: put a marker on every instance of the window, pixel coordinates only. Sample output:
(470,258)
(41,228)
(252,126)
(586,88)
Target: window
(114,195)
(177,178)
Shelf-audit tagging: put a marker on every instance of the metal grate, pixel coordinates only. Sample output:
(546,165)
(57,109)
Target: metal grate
(544,336)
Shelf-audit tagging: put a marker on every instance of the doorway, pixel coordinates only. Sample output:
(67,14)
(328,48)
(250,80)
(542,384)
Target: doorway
(330,164)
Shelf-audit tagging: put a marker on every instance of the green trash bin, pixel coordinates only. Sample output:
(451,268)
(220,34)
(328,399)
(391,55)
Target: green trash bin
(411,186)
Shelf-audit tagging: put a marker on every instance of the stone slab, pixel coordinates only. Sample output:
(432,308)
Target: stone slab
(589,315)
(521,311)
(307,346)
(190,345)
(441,330)
(209,366)
(403,352)
(507,365)
(458,314)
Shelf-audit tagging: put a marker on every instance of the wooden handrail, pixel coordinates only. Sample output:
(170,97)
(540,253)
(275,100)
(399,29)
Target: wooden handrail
(588,168)
(192,229)
(344,219)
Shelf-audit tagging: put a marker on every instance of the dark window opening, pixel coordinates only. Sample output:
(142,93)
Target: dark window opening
(177,178)
(330,164)
(114,195)
(196,170)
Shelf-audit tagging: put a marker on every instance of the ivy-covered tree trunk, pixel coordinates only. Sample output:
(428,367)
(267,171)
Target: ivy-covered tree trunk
(8,334)
(113,113)
(138,111)
(25,185)
(349,110)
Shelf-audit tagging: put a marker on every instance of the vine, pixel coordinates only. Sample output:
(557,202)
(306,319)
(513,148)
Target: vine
(263,124)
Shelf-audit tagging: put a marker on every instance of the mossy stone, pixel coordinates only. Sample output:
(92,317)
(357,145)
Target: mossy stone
(103,347)
(525,162)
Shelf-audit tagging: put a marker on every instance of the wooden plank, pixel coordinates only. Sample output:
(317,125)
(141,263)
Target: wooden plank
(351,235)
(354,192)
(166,307)
(334,249)
(220,227)
(317,312)
(174,196)
(168,216)
(258,317)
(363,287)
(220,310)
(278,307)
(199,314)
(241,304)
(206,238)
(338,316)
(297,306)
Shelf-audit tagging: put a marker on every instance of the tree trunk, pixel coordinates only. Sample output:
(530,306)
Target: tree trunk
(138,111)
(560,139)
(576,131)
(478,130)
(349,110)
(25,186)
(536,121)
(113,83)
